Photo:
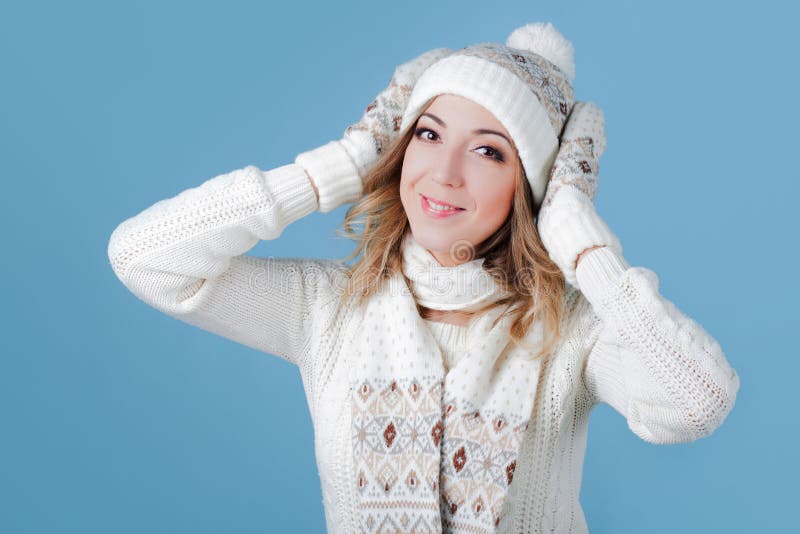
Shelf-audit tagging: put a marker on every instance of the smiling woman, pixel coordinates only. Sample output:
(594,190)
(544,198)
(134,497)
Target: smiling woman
(456,152)
(472,177)
(452,159)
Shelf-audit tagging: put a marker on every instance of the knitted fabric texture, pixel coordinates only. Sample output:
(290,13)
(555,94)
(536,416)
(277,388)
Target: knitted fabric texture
(339,166)
(452,338)
(465,287)
(624,344)
(415,430)
(568,222)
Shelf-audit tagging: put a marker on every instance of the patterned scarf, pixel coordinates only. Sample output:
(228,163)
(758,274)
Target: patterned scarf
(436,451)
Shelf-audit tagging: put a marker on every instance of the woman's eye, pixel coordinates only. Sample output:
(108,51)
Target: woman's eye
(493,153)
(419,131)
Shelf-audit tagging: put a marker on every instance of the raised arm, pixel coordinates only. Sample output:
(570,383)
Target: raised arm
(648,360)
(185,257)
(657,367)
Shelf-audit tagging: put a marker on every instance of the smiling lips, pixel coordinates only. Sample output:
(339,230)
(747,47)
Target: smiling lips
(438,209)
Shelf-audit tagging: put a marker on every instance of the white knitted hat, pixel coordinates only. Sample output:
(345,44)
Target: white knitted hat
(526,85)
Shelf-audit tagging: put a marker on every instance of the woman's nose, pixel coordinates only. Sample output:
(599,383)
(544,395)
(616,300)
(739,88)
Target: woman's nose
(449,168)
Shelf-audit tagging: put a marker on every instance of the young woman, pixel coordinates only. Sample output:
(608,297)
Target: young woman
(451,370)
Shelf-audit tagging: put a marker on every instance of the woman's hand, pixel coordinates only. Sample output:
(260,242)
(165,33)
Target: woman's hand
(380,125)
(338,167)
(568,223)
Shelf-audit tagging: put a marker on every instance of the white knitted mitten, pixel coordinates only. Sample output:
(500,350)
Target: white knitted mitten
(338,167)
(568,223)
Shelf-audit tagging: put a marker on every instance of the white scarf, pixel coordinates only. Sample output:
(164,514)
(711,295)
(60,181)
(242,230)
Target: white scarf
(436,451)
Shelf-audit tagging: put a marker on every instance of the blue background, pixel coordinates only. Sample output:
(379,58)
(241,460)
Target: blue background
(118,419)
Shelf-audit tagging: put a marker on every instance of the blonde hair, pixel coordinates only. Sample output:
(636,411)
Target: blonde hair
(514,255)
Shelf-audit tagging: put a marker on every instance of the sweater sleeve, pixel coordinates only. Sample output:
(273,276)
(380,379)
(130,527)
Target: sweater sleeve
(184,256)
(653,364)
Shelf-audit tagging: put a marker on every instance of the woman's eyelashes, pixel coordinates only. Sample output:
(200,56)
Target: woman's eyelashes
(494,153)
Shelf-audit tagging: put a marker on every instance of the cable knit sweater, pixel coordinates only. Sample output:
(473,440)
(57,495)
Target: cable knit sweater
(623,343)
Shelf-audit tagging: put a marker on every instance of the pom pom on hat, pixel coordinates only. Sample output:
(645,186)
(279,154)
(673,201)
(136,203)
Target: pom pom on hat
(546,41)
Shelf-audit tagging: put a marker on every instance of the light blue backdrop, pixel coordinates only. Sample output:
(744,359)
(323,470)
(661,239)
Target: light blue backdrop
(117,419)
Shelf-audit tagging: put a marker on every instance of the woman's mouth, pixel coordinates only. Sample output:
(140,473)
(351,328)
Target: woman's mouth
(438,211)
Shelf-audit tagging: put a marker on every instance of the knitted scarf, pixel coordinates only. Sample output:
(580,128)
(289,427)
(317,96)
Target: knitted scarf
(436,451)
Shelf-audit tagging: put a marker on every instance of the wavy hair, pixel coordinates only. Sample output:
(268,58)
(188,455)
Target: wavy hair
(514,255)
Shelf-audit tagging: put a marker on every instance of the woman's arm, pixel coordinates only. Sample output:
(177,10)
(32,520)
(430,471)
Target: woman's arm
(653,364)
(185,257)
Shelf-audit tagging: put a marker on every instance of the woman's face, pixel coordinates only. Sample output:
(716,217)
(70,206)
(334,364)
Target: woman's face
(461,155)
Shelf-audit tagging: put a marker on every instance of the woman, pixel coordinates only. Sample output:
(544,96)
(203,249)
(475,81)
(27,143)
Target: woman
(450,372)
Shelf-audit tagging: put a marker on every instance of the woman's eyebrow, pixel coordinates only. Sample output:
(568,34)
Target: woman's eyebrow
(478,131)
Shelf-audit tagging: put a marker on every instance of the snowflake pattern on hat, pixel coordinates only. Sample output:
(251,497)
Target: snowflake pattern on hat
(546,80)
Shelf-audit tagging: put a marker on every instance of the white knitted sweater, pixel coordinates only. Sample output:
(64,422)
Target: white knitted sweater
(452,340)
(625,344)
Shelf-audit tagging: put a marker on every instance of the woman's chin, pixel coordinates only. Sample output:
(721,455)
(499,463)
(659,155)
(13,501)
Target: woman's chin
(434,240)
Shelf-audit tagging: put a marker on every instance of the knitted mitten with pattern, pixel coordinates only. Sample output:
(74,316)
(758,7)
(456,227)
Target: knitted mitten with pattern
(338,167)
(568,223)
